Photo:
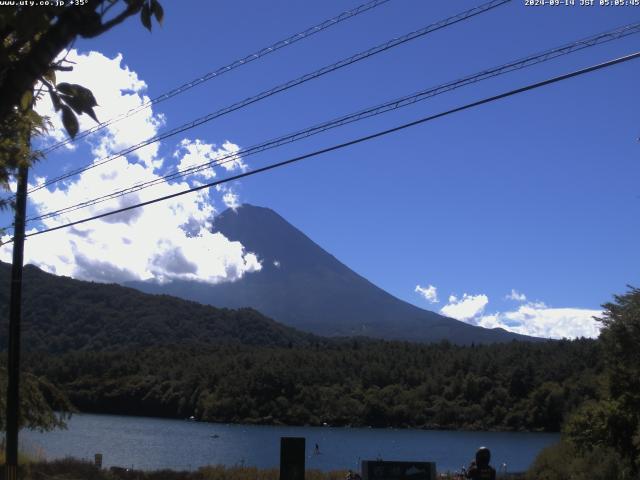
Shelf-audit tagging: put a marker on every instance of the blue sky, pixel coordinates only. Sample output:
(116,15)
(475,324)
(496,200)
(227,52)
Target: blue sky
(536,193)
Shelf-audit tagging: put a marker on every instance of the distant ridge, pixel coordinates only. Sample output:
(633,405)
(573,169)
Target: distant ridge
(303,286)
(62,315)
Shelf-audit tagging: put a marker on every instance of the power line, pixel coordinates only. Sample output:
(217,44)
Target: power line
(292,83)
(509,93)
(221,70)
(397,103)
(286,86)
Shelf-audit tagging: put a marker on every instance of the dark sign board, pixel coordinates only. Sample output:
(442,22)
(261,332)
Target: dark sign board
(379,470)
(292,456)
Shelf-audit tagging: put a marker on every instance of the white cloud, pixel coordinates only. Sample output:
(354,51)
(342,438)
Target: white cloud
(429,293)
(231,199)
(465,308)
(538,320)
(532,318)
(117,89)
(232,161)
(196,152)
(165,241)
(516,296)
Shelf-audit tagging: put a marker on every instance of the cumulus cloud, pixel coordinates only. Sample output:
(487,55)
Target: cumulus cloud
(516,296)
(532,318)
(465,308)
(231,199)
(165,241)
(538,320)
(192,153)
(117,89)
(429,293)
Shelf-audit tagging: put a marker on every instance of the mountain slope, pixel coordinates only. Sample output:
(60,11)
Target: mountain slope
(61,314)
(304,286)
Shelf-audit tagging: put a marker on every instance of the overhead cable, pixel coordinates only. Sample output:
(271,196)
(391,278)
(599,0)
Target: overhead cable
(285,86)
(365,7)
(356,141)
(391,105)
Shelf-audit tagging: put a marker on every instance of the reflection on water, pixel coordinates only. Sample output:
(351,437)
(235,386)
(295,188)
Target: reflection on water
(152,443)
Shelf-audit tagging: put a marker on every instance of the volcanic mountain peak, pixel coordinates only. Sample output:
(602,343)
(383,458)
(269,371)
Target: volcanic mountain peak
(303,286)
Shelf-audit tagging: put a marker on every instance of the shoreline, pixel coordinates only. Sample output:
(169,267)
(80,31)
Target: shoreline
(155,443)
(433,428)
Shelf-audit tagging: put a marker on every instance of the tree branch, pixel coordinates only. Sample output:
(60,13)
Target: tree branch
(73,21)
(132,9)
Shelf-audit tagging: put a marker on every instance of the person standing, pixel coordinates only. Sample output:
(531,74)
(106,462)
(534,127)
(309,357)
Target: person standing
(480,468)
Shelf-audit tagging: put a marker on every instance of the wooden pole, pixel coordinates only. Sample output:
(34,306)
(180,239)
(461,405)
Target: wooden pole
(13,370)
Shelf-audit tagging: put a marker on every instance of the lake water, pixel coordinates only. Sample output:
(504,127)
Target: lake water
(153,443)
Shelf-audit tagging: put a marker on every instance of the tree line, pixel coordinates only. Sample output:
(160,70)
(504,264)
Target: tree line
(513,386)
(601,438)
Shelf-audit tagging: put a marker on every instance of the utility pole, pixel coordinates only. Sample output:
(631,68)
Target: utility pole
(15,304)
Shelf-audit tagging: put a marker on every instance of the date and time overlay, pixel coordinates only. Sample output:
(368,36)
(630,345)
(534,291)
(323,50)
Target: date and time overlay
(581,3)
(526,3)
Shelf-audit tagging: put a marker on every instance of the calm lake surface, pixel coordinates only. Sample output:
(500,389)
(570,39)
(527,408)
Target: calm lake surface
(153,443)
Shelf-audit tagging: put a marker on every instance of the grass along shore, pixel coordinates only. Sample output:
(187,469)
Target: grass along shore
(74,469)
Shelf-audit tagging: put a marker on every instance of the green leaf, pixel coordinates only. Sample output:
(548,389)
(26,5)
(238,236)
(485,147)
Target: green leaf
(86,95)
(92,114)
(74,103)
(78,91)
(69,121)
(66,88)
(80,105)
(26,100)
(79,98)
(55,99)
(157,10)
(145,16)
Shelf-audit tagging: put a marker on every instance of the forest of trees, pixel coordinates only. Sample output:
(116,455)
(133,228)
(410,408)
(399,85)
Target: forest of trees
(110,349)
(106,349)
(601,439)
(61,315)
(113,349)
(515,386)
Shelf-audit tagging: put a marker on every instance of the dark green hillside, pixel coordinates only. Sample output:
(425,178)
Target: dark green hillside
(112,349)
(514,386)
(61,314)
